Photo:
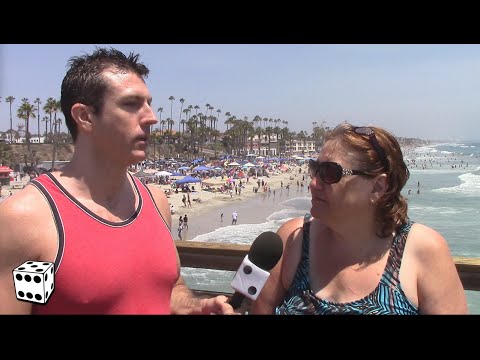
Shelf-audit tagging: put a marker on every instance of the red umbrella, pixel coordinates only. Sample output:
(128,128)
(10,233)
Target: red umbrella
(5,169)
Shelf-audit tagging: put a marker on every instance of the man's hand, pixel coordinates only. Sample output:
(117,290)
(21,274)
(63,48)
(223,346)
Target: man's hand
(217,306)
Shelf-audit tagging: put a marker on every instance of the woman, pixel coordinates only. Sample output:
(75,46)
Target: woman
(357,252)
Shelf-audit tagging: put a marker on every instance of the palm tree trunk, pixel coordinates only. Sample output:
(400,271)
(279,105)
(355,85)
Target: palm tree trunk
(54,151)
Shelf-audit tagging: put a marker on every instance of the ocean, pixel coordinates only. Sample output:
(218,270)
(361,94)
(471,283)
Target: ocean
(443,192)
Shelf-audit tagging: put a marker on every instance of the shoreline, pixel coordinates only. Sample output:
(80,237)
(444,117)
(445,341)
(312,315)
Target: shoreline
(204,217)
(251,210)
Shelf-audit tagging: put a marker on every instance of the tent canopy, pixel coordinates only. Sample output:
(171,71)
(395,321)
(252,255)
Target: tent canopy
(187,179)
(202,168)
(5,169)
(142,173)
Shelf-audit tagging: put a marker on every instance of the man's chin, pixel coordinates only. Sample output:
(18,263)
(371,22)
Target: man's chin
(138,156)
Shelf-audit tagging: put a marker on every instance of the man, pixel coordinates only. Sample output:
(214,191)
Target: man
(234,217)
(108,235)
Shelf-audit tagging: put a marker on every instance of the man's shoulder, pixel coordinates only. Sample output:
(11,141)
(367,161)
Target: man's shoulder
(22,215)
(160,199)
(22,203)
(157,193)
(24,210)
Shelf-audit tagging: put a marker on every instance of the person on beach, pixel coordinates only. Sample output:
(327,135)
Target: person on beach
(185,221)
(234,217)
(357,251)
(108,234)
(180,229)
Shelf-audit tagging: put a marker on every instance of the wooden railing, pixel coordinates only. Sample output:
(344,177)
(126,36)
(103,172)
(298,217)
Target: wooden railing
(229,257)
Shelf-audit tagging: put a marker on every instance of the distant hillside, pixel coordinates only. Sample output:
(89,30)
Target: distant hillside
(42,151)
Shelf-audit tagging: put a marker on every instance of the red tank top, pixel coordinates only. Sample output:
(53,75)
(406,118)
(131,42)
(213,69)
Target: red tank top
(105,267)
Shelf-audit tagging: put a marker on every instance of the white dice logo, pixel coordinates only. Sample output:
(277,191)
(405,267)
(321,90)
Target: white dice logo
(34,281)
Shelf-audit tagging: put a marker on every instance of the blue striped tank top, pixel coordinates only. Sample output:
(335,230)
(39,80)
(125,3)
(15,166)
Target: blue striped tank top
(388,297)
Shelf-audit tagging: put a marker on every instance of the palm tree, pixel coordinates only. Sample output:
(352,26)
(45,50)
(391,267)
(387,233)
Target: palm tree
(170,123)
(56,107)
(184,121)
(38,102)
(58,122)
(10,99)
(45,119)
(182,100)
(171,98)
(25,112)
(159,110)
(49,109)
(227,115)
(190,108)
(163,122)
(215,133)
(216,120)
(155,136)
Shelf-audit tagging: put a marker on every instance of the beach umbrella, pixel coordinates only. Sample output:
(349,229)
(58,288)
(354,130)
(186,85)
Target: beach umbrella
(202,168)
(234,164)
(5,169)
(163,173)
(187,179)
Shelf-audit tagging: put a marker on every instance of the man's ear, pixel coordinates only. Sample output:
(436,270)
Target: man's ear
(83,117)
(379,186)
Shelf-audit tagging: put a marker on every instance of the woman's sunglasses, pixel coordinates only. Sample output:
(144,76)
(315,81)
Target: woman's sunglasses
(331,172)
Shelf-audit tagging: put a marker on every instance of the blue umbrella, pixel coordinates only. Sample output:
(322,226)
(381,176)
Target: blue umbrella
(202,168)
(187,179)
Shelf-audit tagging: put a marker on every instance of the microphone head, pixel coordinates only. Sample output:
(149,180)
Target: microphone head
(266,250)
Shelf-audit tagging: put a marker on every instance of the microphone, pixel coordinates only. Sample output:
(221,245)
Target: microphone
(253,272)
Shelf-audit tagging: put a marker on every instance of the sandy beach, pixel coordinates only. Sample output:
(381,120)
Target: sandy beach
(252,207)
(205,216)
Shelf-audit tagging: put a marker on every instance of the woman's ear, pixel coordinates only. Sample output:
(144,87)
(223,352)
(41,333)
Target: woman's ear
(83,117)
(379,186)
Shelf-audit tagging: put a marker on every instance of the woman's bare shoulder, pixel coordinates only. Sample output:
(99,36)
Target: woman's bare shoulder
(426,239)
(289,229)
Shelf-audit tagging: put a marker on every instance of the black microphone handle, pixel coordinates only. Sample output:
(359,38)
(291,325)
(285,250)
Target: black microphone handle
(236,300)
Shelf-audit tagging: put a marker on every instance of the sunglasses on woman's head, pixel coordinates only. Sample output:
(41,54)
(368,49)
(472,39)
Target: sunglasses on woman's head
(364,130)
(330,172)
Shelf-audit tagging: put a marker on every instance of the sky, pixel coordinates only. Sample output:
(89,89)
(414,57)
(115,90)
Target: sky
(428,91)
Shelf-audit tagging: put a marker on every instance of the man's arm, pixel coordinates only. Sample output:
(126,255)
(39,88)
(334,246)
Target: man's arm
(183,301)
(18,235)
